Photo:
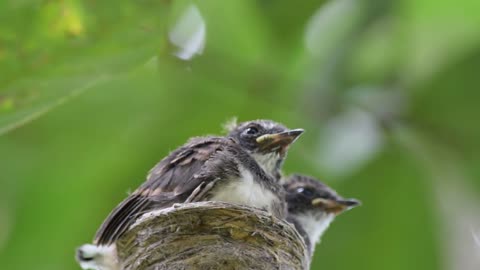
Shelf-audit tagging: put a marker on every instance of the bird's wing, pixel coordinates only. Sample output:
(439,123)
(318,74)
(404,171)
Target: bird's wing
(171,181)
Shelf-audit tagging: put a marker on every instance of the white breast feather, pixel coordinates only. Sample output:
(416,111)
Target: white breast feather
(245,191)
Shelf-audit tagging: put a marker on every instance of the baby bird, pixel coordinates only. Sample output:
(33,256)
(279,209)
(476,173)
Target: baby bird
(239,168)
(312,206)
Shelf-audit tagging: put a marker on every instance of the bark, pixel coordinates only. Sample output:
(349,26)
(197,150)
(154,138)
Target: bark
(211,235)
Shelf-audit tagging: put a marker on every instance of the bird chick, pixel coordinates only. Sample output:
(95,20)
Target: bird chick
(312,206)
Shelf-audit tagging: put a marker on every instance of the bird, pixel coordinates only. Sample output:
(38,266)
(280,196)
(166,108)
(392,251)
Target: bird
(95,257)
(275,137)
(235,168)
(312,206)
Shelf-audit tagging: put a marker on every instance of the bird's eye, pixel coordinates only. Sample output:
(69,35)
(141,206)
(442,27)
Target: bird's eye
(305,191)
(251,131)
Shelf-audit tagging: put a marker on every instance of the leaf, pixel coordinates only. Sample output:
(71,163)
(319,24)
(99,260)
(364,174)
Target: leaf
(68,67)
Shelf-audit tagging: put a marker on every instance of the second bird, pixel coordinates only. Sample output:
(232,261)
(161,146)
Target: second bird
(312,206)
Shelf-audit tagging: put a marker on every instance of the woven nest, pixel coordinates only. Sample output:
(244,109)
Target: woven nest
(211,235)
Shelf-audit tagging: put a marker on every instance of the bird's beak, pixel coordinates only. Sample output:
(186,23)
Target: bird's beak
(278,141)
(335,206)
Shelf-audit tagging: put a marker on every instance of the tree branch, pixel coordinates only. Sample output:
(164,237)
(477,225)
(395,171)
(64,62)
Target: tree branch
(211,235)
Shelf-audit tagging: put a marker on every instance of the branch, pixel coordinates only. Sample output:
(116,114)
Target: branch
(211,235)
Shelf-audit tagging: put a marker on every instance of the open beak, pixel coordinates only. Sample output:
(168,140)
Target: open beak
(335,206)
(278,141)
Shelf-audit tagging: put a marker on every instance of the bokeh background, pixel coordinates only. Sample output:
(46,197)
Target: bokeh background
(94,93)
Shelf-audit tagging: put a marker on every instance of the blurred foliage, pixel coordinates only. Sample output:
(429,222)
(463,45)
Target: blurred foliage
(92,96)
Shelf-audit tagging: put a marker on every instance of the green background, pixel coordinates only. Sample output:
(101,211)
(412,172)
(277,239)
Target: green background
(92,96)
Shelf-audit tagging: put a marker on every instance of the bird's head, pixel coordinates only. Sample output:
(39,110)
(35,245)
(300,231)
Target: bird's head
(267,141)
(314,205)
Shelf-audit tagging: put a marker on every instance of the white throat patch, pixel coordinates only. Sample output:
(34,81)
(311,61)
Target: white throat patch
(315,224)
(268,162)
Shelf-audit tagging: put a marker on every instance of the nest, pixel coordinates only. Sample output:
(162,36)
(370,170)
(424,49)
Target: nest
(211,235)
